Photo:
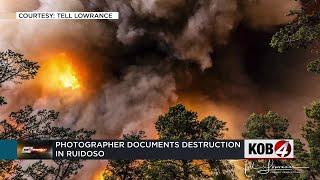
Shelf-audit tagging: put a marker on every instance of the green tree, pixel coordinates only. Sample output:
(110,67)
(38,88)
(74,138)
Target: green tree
(303,32)
(271,126)
(27,124)
(13,66)
(182,124)
(300,33)
(311,132)
(125,169)
(171,169)
(266,126)
(160,169)
(177,124)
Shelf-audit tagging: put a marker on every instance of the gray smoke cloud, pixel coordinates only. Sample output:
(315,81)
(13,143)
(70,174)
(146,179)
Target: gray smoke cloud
(193,28)
(205,25)
(133,103)
(211,24)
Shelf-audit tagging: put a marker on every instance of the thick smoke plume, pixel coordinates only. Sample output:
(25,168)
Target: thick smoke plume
(212,55)
(130,104)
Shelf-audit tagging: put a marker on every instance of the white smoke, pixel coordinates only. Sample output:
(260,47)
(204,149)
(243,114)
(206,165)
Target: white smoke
(157,8)
(210,25)
(35,37)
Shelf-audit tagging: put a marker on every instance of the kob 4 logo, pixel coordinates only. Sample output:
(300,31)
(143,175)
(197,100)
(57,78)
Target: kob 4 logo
(268,149)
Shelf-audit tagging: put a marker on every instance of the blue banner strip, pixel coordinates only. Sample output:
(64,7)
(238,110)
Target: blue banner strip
(8,149)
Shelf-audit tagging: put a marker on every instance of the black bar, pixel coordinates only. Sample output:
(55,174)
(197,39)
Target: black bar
(174,150)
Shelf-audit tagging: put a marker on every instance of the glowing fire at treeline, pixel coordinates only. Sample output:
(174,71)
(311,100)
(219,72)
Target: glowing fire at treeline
(59,72)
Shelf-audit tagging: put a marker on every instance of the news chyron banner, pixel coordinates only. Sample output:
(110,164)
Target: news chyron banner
(147,149)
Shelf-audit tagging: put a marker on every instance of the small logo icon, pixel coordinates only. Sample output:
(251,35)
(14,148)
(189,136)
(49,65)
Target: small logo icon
(282,148)
(29,150)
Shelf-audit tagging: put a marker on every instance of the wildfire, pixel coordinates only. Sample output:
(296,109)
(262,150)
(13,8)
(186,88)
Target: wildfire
(68,78)
(99,174)
(59,73)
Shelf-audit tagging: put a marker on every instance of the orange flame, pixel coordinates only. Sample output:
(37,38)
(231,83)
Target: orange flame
(68,79)
(99,174)
(58,72)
